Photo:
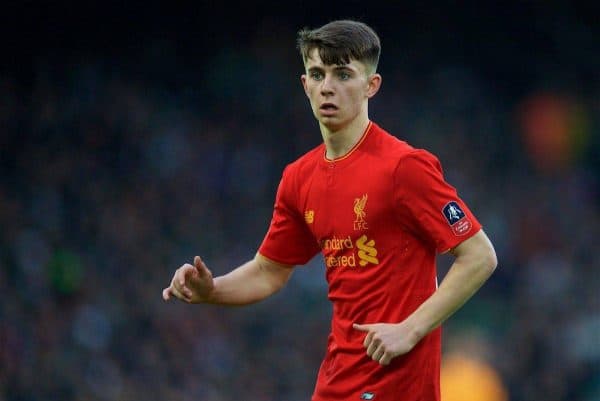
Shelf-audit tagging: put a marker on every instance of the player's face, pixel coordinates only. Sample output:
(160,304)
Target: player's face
(338,93)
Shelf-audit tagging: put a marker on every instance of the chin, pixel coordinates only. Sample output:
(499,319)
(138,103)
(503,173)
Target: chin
(330,125)
(330,121)
(333,126)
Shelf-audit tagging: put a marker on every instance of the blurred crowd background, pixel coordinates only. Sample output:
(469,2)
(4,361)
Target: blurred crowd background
(135,136)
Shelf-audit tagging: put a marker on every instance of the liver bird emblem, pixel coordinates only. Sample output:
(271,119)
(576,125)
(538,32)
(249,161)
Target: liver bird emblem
(359,210)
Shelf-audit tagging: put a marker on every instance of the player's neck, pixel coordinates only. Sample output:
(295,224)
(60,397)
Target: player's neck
(339,142)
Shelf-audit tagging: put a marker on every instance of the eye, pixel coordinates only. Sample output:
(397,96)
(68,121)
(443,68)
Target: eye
(344,75)
(316,75)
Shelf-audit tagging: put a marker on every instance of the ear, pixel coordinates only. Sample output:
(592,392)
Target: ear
(303,80)
(373,85)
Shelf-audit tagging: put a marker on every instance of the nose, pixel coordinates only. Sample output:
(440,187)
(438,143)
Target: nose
(327,87)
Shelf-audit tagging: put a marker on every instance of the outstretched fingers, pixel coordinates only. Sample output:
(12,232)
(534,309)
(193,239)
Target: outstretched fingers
(201,267)
(367,329)
(187,277)
(180,284)
(178,287)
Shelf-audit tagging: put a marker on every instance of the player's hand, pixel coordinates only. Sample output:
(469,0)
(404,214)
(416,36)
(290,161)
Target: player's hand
(191,283)
(385,341)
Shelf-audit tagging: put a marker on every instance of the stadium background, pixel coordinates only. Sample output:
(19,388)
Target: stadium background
(134,136)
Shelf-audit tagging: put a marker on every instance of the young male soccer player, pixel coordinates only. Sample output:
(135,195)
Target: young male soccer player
(378,210)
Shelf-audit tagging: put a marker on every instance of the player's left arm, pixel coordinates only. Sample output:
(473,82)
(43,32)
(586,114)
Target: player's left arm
(475,261)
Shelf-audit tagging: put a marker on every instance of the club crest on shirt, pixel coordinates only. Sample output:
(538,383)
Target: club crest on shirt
(359,210)
(456,218)
(309,216)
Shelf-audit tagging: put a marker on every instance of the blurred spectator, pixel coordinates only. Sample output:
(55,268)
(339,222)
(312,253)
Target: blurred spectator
(555,131)
(467,373)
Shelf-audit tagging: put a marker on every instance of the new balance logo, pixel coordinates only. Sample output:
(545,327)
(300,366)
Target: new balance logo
(367,396)
(309,216)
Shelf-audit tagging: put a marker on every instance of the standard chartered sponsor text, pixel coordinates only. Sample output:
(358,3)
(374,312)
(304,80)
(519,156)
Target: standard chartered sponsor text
(337,244)
(336,255)
(340,261)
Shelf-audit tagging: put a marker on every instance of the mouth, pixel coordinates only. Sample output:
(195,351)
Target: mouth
(328,108)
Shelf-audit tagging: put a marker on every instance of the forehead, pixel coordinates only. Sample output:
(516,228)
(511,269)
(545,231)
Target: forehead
(314,61)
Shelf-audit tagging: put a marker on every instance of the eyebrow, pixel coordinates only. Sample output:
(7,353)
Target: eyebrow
(343,67)
(336,68)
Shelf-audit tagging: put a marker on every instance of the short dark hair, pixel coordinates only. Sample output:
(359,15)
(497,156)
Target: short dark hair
(340,41)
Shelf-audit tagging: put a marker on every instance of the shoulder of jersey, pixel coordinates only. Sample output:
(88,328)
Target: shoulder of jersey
(308,159)
(392,145)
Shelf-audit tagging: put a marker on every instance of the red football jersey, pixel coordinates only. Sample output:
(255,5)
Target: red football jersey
(379,215)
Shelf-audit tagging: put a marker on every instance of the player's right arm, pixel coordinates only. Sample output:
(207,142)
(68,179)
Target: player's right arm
(251,282)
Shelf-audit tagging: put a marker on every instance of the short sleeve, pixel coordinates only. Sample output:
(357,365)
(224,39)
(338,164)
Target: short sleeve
(288,240)
(429,205)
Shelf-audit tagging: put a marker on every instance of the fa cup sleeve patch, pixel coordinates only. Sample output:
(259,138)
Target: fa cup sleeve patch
(456,218)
